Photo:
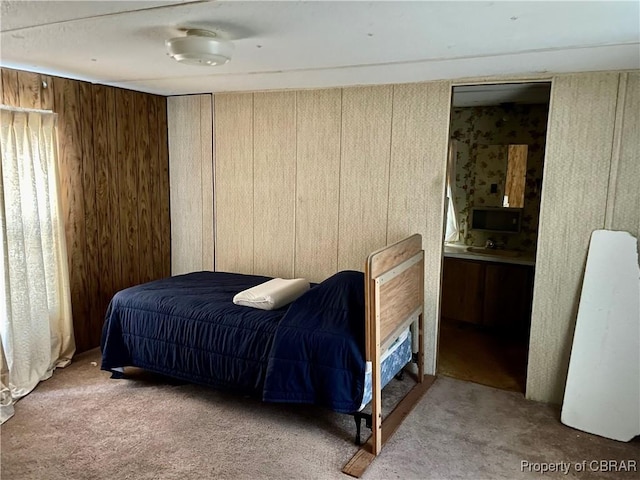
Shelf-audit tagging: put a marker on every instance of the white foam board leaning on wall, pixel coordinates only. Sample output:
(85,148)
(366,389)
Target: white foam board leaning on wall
(602,394)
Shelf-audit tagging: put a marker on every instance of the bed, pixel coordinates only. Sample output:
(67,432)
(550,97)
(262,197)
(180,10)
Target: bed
(336,345)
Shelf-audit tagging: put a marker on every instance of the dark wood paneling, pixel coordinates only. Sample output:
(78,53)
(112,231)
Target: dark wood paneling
(105,228)
(155,197)
(114,186)
(145,168)
(46,94)
(10,87)
(114,166)
(125,107)
(67,106)
(29,88)
(165,254)
(92,265)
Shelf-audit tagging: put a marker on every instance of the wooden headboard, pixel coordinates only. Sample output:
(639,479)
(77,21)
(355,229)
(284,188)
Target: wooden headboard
(394,297)
(395,275)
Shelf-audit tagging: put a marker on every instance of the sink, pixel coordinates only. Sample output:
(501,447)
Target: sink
(494,252)
(455,247)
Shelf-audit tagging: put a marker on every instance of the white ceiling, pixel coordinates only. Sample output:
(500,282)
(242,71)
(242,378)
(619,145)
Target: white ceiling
(317,44)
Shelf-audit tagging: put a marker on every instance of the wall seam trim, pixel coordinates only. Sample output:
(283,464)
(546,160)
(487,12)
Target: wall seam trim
(202,190)
(253,183)
(386,234)
(213,182)
(616,146)
(295,181)
(340,179)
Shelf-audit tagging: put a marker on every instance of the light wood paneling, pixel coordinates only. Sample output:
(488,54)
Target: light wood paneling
(318,124)
(400,297)
(343,185)
(185,150)
(574,196)
(417,182)
(94,177)
(274,183)
(415,186)
(206,185)
(364,173)
(395,254)
(623,204)
(234,182)
(190,130)
(516,175)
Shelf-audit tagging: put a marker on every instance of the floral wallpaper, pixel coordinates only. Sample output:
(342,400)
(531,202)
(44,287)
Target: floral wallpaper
(490,169)
(482,136)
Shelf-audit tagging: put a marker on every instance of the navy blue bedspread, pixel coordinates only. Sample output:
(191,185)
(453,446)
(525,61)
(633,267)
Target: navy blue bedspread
(318,349)
(187,327)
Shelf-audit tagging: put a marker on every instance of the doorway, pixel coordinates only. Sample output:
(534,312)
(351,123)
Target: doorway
(494,180)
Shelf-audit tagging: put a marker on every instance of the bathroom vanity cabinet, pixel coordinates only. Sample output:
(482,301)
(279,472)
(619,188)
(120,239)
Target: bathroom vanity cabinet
(492,294)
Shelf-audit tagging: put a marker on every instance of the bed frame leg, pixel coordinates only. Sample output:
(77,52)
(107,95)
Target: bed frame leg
(358,416)
(358,420)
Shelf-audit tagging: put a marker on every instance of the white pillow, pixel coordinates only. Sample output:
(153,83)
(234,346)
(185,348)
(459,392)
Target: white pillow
(273,294)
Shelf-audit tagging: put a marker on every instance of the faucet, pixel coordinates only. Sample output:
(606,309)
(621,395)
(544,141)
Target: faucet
(491,244)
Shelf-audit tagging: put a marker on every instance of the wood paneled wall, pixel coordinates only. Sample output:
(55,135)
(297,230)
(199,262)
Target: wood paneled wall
(308,183)
(233,204)
(419,146)
(364,173)
(352,144)
(591,178)
(623,201)
(191,183)
(274,183)
(318,127)
(114,180)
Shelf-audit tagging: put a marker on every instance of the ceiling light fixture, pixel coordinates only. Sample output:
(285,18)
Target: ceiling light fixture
(200,47)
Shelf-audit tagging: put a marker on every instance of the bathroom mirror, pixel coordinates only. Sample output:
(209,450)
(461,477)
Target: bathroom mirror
(516,176)
(500,175)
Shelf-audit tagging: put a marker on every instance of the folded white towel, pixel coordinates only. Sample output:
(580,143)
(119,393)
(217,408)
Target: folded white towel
(273,294)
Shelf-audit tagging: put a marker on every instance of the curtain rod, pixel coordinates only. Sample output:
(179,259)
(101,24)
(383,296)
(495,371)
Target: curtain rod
(26,110)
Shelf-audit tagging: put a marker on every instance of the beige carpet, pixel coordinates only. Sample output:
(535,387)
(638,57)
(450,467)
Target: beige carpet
(82,425)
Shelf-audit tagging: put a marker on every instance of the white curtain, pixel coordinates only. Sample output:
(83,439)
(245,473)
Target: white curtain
(35,317)
(452,232)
